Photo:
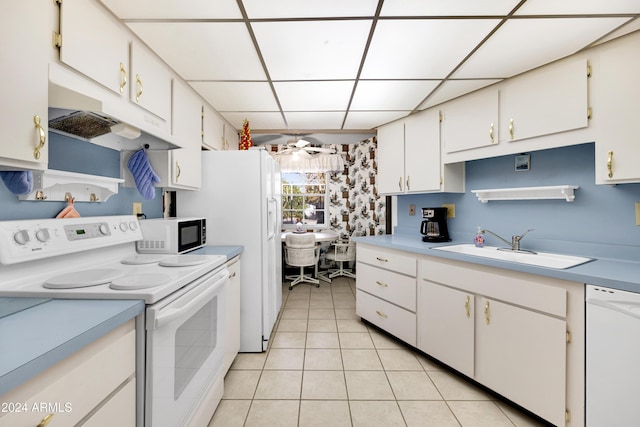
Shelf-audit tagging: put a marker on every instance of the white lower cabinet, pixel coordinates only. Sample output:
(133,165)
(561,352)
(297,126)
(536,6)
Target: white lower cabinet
(93,387)
(397,321)
(232,313)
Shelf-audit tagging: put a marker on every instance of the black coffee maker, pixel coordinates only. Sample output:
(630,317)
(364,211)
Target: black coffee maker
(434,225)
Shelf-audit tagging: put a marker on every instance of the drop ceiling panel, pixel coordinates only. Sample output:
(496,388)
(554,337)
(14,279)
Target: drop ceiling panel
(309,96)
(371,119)
(314,120)
(523,44)
(578,7)
(631,26)
(257,120)
(391,95)
(172,9)
(237,96)
(422,49)
(257,9)
(453,88)
(316,50)
(447,8)
(203,50)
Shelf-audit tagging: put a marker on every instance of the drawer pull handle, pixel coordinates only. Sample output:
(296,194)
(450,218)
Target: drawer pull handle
(232,275)
(400,183)
(467,306)
(139,82)
(610,163)
(511,128)
(382,259)
(486,313)
(384,285)
(123,80)
(42,139)
(491,133)
(46,420)
(384,316)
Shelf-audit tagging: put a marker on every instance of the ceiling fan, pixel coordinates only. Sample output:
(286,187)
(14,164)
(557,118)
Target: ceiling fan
(301,146)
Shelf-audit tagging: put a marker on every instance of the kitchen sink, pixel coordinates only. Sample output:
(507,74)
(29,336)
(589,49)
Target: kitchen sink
(540,259)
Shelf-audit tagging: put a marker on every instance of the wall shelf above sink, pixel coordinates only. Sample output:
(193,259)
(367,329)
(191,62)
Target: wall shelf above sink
(565,192)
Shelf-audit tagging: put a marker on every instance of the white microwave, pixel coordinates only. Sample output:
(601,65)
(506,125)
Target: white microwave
(171,235)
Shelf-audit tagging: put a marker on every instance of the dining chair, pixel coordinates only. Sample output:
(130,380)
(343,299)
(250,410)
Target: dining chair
(301,250)
(342,252)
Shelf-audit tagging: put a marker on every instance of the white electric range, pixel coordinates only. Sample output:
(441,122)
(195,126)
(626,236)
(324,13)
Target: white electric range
(95,258)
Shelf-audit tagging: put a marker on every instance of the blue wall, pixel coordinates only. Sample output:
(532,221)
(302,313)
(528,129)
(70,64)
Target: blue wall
(600,214)
(73,155)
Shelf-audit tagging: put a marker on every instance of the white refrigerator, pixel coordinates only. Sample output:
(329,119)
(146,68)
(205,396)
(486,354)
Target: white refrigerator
(241,198)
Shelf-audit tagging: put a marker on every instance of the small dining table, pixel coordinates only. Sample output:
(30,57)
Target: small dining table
(321,236)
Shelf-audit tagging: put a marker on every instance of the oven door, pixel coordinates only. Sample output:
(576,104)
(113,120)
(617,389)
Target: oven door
(185,350)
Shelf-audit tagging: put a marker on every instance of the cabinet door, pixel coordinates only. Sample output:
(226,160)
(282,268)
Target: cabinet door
(550,100)
(446,325)
(617,148)
(522,354)
(186,166)
(422,152)
(391,158)
(150,82)
(24,84)
(94,43)
(212,129)
(471,121)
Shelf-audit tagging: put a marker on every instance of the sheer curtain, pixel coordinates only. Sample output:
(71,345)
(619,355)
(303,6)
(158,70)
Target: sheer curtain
(296,162)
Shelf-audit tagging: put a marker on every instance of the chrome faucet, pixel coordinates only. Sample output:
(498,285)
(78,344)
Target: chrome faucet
(515,240)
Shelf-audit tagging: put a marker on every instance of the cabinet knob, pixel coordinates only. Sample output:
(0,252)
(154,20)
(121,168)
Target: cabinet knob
(123,80)
(610,163)
(42,137)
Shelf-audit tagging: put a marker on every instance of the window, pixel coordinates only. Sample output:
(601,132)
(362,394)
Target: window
(304,199)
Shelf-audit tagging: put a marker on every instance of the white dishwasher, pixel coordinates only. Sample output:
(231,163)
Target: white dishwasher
(612,357)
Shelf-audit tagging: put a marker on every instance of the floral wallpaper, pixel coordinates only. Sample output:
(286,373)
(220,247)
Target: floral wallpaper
(354,202)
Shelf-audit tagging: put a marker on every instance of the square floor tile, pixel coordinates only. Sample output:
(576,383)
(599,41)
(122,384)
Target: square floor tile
(241,384)
(355,340)
(322,313)
(368,385)
(285,359)
(325,385)
(427,414)
(345,303)
(322,325)
(410,385)
(292,325)
(346,314)
(519,418)
(249,361)
(351,326)
(324,413)
(323,359)
(452,387)
(385,342)
(322,340)
(295,313)
(230,413)
(279,385)
(428,364)
(399,360)
(479,413)
(289,340)
(371,413)
(361,360)
(297,303)
(268,413)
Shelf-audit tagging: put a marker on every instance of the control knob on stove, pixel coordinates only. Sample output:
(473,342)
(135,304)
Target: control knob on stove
(104,229)
(133,225)
(21,237)
(123,226)
(43,235)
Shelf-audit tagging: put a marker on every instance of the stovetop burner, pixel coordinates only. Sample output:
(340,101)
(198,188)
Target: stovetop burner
(183,260)
(143,259)
(140,281)
(83,278)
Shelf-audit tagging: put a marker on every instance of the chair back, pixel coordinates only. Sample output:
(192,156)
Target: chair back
(346,251)
(300,250)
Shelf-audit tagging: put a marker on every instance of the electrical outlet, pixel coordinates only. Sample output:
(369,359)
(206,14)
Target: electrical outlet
(637,213)
(451,209)
(137,208)
(412,210)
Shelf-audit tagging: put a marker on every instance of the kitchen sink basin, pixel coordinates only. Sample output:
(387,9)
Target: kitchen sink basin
(540,259)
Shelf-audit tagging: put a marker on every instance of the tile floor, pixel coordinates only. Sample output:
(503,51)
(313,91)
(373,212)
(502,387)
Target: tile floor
(325,367)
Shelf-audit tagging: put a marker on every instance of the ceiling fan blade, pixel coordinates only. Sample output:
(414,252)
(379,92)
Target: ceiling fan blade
(320,150)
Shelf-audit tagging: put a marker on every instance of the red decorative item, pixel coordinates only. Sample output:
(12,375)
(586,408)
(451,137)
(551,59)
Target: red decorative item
(245,137)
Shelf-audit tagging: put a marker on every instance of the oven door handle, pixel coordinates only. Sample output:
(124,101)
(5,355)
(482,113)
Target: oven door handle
(166,315)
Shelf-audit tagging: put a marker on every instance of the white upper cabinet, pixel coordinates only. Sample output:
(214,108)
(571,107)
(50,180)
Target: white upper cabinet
(548,100)
(617,112)
(212,129)
(23,87)
(470,121)
(391,158)
(95,44)
(186,166)
(150,85)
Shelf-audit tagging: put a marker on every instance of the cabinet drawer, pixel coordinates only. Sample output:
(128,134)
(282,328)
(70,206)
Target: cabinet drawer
(395,320)
(388,285)
(75,386)
(388,260)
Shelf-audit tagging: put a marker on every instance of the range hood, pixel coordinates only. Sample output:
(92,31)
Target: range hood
(83,117)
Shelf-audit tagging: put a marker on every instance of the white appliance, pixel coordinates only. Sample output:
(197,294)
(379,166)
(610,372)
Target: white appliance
(241,198)
(172,235)
(180,344)
(612,357)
